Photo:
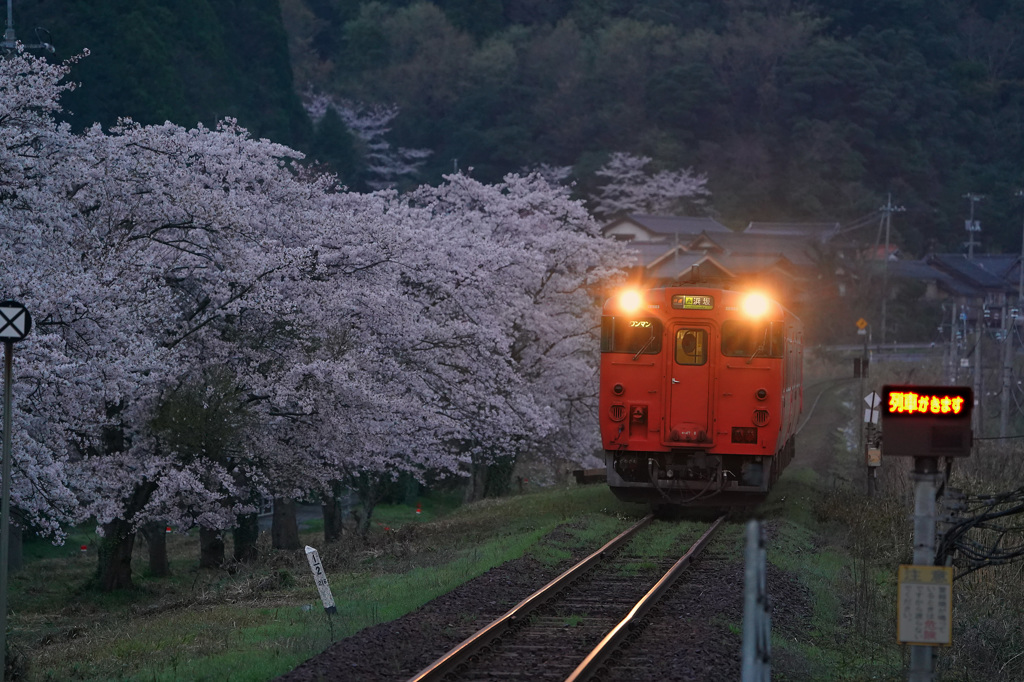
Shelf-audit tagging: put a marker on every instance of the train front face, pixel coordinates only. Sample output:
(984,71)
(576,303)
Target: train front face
(692,394)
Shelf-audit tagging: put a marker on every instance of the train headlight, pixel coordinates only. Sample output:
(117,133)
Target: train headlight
(755,305)
(630,300)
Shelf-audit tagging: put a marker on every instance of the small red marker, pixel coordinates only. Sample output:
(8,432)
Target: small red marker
(419,510)
(167,530)
(84,548)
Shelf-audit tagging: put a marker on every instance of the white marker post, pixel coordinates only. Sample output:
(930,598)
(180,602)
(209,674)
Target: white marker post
(15,324)
(321,580)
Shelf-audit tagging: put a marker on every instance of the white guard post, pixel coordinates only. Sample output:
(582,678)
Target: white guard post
(321,579)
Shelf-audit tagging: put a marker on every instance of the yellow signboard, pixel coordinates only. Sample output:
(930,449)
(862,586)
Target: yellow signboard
(925,605)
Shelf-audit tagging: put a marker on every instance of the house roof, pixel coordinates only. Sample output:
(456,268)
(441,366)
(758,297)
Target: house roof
(669,227)
(795,249)
(1000,265)
(920,270)
(648,252)
(821,232)
(967,271)
(680,266)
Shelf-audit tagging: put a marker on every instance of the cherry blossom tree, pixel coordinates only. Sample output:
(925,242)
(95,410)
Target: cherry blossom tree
(217,324)
(370,123)
(631,188)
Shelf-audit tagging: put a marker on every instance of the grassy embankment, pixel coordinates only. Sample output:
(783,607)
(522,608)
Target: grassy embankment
(256,622)
(848,546)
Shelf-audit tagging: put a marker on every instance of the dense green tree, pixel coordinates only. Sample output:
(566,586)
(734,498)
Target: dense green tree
(810,110)
(160,60)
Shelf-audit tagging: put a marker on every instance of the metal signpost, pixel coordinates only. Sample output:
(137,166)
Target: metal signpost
(873,454)
(15,324)
(757,611)
(926,423)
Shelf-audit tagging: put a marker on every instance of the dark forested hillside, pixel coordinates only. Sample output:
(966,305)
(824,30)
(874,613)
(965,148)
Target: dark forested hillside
(186,62)
(795,110)
(810,110)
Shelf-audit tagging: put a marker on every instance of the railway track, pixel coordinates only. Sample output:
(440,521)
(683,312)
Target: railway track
(568,629)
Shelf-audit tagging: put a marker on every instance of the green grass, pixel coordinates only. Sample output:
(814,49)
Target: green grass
(263,620)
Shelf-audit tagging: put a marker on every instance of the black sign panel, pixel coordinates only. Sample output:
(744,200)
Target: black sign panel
(927,421)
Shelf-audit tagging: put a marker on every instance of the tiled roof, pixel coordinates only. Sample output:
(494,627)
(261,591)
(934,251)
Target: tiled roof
(796,249)
(820,231)
(670,226)
(968,271)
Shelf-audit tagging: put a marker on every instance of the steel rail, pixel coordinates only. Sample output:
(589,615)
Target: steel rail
(592,663)
(458,656)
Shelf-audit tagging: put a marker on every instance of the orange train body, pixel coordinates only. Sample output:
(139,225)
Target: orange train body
(700,395)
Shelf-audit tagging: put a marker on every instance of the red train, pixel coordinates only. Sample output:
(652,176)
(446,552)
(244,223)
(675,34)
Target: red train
(701,391)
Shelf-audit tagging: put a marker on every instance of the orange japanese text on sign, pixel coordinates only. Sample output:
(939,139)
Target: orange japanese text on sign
(915,403)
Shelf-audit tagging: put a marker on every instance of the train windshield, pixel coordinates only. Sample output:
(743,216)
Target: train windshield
(742,338)
(630,335)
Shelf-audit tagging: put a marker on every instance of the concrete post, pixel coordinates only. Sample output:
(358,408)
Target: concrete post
(926,479)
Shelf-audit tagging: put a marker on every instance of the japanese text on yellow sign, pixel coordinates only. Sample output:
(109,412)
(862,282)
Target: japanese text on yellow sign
(925,605)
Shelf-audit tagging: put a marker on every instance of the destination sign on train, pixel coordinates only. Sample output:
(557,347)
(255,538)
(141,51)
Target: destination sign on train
(690,302)
(954,402)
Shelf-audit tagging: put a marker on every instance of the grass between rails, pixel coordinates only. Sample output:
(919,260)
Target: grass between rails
(256,622)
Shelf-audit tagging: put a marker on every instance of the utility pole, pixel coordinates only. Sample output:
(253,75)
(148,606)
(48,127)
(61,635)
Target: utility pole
(954,351)
(979,378)
(9,44)
(972,226)
(1007,328)
(1010,316)
(887,212)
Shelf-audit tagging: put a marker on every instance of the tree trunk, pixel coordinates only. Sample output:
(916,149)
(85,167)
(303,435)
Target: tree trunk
(284,529)
(155,535)
(114,570)
(114,565)
(246,533)
(370,489)
(211,548)
(15,556)
(477,482)
(498,476)
(333,513)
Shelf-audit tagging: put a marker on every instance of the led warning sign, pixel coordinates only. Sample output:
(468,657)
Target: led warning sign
(927,401)
(927,421)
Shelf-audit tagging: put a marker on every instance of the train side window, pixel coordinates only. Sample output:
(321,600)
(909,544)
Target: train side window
(691,346)
(741,338)
(630,335)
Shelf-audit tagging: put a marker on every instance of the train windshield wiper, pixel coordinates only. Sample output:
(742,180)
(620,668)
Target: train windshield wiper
(645,346)
(761,347)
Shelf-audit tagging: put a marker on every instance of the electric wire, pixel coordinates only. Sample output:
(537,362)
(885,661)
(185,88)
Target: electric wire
(989,531)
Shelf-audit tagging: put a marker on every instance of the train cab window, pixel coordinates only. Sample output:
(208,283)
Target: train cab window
(741,338)
(691,346)
(630,335)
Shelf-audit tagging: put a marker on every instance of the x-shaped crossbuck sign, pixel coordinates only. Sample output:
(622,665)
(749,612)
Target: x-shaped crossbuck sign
(15,322)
